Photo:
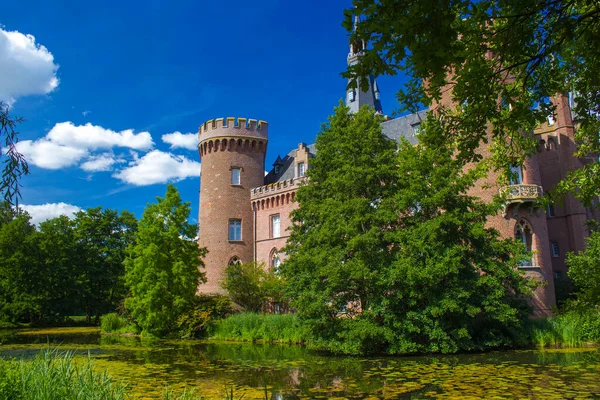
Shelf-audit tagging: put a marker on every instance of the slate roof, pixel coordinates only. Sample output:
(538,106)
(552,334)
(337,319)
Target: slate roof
(404,126)
(393,129)
(286,166)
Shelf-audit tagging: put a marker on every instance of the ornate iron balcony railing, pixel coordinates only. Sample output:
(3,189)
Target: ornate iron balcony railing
(521,193)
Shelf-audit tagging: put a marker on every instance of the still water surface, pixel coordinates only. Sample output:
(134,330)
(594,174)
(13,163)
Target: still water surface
(291,372)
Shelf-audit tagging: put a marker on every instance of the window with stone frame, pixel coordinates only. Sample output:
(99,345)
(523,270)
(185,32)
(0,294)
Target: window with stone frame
(524,234)
(236,176)
(275,226)
(235,230)
(301,169)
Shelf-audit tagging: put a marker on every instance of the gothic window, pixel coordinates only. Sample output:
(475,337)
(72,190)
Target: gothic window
(541,145)
(235,229)
(275,261)
(551,143)
(235,176)
(235,260)
(516,174)
(551,120)
(275,226)
(524,234)
(301,169)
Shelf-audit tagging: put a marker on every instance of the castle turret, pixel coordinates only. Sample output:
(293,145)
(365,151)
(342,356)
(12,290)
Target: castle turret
(356,97)
(233,160)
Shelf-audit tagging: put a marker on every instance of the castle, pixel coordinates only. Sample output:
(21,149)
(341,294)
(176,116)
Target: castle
(244,215)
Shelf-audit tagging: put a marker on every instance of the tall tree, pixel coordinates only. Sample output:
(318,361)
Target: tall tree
(21,294)
(60,266)
(491,54)
(15,164)
(338,247)
(389,252)
(103,237)
(163,266)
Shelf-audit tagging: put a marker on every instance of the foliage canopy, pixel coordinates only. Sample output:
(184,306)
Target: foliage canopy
(162,269)
(389,252)
(498,53)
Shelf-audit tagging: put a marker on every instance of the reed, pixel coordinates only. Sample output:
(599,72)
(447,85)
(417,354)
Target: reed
(53,376)
(266,328)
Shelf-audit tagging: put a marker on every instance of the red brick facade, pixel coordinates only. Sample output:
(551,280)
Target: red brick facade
(549,234)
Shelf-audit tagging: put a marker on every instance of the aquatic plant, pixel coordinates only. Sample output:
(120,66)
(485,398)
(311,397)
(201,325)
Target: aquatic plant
(53,376)
(571,329)
(267,328)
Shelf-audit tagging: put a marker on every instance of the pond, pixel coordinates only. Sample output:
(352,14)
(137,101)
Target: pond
(291,372)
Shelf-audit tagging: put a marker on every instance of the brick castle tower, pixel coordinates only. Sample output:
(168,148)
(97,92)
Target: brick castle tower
(233,161)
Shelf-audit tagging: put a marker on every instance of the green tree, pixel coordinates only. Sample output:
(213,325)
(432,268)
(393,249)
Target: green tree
(584,270)
(338,247)
(252,285)
(498,53)
(59,268)
(103,237)
(389,253)
(21,292)
(163,266)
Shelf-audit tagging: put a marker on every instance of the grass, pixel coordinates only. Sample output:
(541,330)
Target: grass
(571,329)
(54,376)
(265,328)
(115,324)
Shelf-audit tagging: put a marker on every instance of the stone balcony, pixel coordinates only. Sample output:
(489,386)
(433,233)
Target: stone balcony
(521,193)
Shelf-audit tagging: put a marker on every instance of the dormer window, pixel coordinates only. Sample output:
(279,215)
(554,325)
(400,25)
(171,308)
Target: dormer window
(301,169)
(277,170)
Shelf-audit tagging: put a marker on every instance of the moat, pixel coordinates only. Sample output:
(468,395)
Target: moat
(290,372)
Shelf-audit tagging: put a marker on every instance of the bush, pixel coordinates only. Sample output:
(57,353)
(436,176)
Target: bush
(207,309)
(54,376)
(267,328)
(114,323)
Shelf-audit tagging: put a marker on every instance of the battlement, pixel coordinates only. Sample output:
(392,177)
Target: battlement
(276,187)
(231,127)
(232,122)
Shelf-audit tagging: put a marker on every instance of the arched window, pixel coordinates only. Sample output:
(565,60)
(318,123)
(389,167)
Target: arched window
(235,260)
(524,234)
(275,260)
(551,143)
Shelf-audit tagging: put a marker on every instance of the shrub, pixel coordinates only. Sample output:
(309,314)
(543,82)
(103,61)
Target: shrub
(207,309)
(114,323)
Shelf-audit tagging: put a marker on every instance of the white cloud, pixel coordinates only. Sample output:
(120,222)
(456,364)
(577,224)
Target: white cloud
(101,162)
(85,113)
(41,213)
(26,67)
(49,155)
(158,167)
(67,144)
(93,137)
(181,140)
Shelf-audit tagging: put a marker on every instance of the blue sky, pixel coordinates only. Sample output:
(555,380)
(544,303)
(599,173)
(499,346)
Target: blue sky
(100,84)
